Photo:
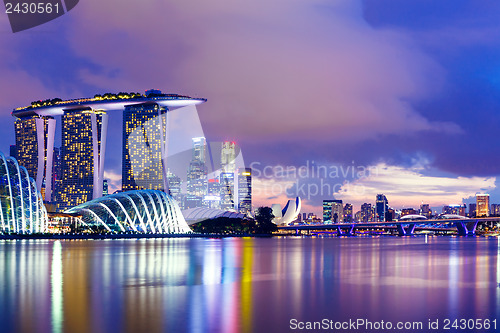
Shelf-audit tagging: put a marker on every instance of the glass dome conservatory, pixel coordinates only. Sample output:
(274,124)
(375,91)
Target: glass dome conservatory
(21,205)
(143,211)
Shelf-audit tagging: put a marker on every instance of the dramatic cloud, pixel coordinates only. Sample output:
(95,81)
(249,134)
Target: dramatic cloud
(114,181)
(409,187)
(272,70)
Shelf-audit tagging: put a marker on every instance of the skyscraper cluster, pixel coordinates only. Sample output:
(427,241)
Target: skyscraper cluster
(229,188)
(73,173)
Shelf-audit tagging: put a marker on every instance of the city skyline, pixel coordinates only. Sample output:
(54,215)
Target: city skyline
(412,90)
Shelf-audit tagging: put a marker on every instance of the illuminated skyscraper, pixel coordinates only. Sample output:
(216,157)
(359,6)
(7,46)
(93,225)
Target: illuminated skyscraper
(196,175)
(381,207)
(348,212)
(105,188)
(367,213)
(212,199)
(482,205)
(227,176)
(83,149)
(425,210)
(34,149)
(495,210)
(144,126)
(333,211)
(174,186)
(228,156)
(244,190)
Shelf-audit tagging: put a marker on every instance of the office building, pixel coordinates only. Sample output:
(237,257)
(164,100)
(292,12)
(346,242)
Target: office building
(348,213)
(212,199)
(174,187)
(408,211)
(227,176)
(244,191)
(105,188)
(333,211)
(451,209)
(381,207)
(425,210)
(482,205)
(227,190)
(367,213)
(196,175)
(495,210)
(472,210)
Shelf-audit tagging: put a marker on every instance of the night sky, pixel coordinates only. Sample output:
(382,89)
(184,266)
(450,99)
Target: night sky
(408,88)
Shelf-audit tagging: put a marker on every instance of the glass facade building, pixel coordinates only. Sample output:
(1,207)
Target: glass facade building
(482,205)
(245,190)
(21,205)
(381,207)
(142,211)
(333,211)
(197,175)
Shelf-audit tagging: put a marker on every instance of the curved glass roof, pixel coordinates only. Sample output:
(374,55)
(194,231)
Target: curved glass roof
(21,205)
(194,215)
(142,211)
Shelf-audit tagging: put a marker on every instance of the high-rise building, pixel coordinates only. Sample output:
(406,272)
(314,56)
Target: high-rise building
(472,210)
(348,213)
(228,156)
(390,215)
(381,207)
(244,190)
(227,175)
(105,188)
(462,210)
(227,190)
(451,209)
(408,211)
(196,175)
(482,205)
(495,210)
(367,213)
(174,187)
(83,149)
(357,216)
(425,210)
(212,199)
(144,128)
(34,149)
(333,211)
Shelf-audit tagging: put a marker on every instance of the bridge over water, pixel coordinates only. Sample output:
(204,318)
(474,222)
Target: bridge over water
(463,227)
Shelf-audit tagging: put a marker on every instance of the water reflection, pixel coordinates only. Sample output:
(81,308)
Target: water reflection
(243,284)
